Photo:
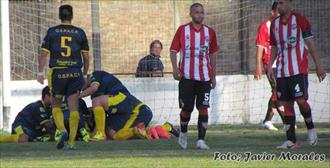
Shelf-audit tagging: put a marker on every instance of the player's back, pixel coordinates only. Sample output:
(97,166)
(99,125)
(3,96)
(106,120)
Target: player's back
(33,114)
(109,84)
(65,44)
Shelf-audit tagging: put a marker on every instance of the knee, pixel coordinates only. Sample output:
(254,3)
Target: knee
(203,111)
(185,114)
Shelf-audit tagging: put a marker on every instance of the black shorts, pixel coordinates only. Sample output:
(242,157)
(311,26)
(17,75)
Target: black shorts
(20,127)
(293,87)
(66,81)
(119,121)
(191,91)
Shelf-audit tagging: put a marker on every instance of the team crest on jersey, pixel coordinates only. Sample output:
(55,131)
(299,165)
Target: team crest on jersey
(203,48)
(292,40)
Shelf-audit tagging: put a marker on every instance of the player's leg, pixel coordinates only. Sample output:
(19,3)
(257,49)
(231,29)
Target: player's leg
(272,106)
(203,89)
(116,124)
(286,107)
(100,105)
(74,86)
(299,85)
(186,103)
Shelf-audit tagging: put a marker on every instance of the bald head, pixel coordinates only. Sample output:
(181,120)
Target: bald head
(197,13)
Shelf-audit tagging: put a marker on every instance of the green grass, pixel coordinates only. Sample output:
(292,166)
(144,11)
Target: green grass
(166,153)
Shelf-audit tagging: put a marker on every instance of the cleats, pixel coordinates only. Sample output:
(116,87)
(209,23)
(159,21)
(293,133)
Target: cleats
(202,145)
(98,137)
(269,125)
(288,145)
(312,137)
(173,131)
(84,134)
(64,136)
(182,140)
(140,131)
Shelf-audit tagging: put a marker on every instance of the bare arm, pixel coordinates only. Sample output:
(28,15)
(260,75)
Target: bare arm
(258,73)
(86,62)
(90,90)
(312,49)
(41,66)
(272,58)
(176,72)
(213,62)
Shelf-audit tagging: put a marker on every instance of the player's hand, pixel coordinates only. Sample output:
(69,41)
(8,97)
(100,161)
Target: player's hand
(213,82)
(258,73)
(41,78)
(177,74)
(321,74)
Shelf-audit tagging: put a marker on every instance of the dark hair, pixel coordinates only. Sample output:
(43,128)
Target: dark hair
(66,12)
(155,42)
(194,5)
(45,91)
(274,6)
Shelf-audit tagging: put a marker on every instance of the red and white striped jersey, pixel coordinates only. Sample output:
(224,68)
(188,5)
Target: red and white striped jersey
(288,36)
(195,47)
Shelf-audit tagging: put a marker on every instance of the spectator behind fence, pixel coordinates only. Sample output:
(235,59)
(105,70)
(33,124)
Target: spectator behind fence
(151,65)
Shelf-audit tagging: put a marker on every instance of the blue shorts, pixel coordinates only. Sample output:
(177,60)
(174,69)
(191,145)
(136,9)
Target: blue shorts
(65,81)
(20,127)
(118,121)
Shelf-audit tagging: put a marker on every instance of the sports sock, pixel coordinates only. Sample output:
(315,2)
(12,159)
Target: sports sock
(202,123)
(99,116)
(9,138)
(306,112)
(74,120)
(123,134)
(58,118)
(184,120)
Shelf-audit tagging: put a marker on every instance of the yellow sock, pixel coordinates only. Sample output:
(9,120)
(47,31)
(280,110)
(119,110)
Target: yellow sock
(73,123)
(99,116)
(123,134)
(58,118)
(9,138)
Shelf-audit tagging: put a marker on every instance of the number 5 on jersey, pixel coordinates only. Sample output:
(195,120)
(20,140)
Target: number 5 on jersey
(64,45)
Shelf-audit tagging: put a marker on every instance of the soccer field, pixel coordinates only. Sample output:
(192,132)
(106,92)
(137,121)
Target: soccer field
(166,153)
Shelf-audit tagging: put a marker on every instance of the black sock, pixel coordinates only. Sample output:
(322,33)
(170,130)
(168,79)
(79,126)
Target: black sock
(290,128)
(202,126)
(308,119)
(270,114)
(184,123)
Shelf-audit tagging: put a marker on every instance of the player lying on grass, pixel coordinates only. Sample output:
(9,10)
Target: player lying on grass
(127,115)
(82,132)
(33,122)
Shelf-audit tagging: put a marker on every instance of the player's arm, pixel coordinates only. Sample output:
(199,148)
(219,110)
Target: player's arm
(176,72)
(273,53)
(213,59)
(90,90)
(85,55)
(85,52)
(43,58)
(258,73)
(321,74)
(174,49)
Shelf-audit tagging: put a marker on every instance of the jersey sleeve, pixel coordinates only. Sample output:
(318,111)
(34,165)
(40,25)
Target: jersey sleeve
(84,44)
(213,43)
(261,39)
(176,44)
(45,46)
(305,26)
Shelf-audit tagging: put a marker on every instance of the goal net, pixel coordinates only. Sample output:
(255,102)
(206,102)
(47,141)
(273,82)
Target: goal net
(126,30)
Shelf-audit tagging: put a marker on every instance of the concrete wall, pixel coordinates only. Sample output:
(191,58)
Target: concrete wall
(237,99)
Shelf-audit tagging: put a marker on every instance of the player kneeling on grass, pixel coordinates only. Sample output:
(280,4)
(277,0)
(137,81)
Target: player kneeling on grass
(110,95)
(82,132)
(32,123)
